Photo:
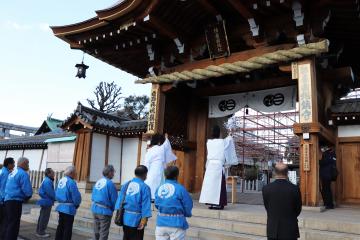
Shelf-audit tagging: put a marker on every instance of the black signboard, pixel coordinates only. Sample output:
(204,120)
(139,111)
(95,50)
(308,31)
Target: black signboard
(217,41)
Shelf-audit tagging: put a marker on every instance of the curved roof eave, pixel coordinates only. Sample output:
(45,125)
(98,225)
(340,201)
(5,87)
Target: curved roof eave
(102,18)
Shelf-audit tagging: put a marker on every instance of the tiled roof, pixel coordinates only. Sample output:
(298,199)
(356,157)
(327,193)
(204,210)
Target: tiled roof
(104,121)
(31,142)
(346,106)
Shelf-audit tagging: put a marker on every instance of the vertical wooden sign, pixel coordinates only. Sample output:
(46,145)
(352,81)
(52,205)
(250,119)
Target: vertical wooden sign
(306,157)
(305,93)
(154,108)
(157,110)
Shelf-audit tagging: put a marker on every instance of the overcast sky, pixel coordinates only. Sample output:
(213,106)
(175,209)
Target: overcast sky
(37,73)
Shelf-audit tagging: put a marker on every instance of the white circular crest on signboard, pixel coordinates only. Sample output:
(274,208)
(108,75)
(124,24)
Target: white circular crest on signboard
(13,173)
(133,189)
(62,183)
(100,184)
(166,191)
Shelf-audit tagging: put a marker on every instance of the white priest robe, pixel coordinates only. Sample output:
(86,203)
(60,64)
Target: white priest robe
(220,153)
(156,159)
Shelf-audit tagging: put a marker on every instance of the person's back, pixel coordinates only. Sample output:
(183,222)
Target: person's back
(18,186)
(68,196)
(103,199)
(174,205)
(8,166)
(18,189)
(135,199)
(282,201)
(47,194)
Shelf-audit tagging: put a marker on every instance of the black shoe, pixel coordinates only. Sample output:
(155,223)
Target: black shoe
(329,207)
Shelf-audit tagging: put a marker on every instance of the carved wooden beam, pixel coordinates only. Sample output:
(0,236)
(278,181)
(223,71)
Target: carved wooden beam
(241,8)
(209,7)
(162,27)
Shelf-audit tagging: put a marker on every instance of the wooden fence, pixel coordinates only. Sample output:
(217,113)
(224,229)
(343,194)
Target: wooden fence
(36,178)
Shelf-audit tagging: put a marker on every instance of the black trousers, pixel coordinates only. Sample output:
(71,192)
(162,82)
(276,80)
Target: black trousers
(2,221)
(131,233)
(326,193)
(282,239)
(13,210)
(64,228)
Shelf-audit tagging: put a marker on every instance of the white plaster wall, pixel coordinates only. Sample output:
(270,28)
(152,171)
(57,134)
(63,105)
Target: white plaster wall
(34,156)
(97,161)
(60,155)
(2,156)
(129,158)
(114,157)
(16,154)
(349,131)
(143,152)
(44,162)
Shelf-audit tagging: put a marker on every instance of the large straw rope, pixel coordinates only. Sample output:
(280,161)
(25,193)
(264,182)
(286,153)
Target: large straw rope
(242,66)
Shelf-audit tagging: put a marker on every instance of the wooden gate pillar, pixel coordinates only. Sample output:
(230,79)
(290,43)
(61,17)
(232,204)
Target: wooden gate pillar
(305,72)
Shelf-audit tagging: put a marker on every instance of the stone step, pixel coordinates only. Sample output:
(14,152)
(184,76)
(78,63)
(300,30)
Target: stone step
(84,226)
(216,225)
(254,223)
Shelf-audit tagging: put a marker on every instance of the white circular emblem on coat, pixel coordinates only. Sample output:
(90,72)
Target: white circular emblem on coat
(133,189)
(62,183)
(100,184)
(166,191)
(13,173)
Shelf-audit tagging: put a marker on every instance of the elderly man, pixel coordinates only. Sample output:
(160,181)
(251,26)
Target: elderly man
(103,198)
(17,190)
(8,166)
(175,205)
(47,195)
(282,202)
(69,198)
(137,205)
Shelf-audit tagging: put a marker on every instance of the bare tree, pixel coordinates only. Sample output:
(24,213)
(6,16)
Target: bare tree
(108,96)
(136,106)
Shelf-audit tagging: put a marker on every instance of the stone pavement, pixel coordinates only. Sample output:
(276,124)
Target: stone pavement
(27,232)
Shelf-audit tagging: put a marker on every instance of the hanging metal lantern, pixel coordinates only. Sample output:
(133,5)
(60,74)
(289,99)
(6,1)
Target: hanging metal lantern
(81,69)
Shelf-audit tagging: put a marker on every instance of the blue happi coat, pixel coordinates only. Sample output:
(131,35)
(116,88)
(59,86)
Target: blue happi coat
(18,186)
(137,202)
(174,205)
(104,197)
(4,173)
(47,193)
(68,196)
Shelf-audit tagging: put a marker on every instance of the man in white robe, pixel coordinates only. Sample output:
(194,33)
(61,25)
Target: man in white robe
(158,155)
(220,153)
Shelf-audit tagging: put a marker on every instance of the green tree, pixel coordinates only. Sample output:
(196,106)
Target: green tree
(136,106)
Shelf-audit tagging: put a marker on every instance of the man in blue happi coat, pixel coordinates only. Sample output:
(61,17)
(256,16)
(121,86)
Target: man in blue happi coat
(69,198)
(103,198)
(8,166)
(137,205)
(174,205)
(47,198)
(18,189)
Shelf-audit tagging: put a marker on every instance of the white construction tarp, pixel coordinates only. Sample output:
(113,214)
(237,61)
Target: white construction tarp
(270,100)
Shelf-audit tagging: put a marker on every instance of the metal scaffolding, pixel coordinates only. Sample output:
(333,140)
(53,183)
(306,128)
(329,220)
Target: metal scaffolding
(263,138)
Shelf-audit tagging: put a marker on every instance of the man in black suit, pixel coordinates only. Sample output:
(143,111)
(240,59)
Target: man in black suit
(282,201)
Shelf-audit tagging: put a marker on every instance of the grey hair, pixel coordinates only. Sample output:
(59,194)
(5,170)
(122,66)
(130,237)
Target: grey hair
(21,160)
(107,170)
(69,170)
